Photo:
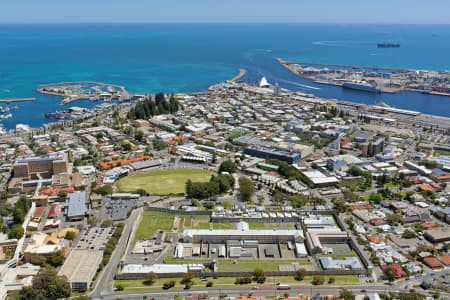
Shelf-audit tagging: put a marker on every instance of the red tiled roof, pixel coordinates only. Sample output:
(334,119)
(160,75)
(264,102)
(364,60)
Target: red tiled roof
(445,258)
(433,262)
(52,192)
(38,212)
(374,239)
(122,162)
(426,187)
(54,210)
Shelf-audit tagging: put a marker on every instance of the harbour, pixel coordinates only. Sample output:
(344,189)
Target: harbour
(372,79)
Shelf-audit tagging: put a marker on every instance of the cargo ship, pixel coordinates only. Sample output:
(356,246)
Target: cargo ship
(388,45)
(362,86)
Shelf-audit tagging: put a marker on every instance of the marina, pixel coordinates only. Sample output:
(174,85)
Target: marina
(85,90)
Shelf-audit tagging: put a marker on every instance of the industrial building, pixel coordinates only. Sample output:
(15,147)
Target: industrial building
(243,233)
(288,152)
(347,263)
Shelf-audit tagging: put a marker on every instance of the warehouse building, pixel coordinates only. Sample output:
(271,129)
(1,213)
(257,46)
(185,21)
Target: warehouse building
(288,152)
(347,263)
(439,235)
(242,234)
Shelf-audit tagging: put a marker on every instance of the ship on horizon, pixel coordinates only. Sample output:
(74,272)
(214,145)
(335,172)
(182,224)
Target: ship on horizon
(388,45)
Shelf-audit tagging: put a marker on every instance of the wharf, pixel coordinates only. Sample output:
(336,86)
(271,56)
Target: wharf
(281,61)
(17,100)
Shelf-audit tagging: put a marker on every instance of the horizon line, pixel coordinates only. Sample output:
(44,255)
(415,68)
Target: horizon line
(212,22)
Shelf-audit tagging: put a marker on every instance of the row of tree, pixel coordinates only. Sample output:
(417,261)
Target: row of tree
(149,107)
(216,185)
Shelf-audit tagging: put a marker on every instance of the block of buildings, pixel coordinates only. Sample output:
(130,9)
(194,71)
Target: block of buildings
(45,166)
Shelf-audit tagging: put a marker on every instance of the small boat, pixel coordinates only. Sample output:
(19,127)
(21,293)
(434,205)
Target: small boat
(15,107)
(7,116)
(269,51)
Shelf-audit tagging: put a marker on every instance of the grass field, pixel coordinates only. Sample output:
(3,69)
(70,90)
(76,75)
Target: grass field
(256,225)
(151,222)
(162,182)
(222,226)
(138,285)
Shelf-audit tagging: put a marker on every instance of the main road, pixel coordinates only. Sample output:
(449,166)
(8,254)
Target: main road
(106,278)
(266,290)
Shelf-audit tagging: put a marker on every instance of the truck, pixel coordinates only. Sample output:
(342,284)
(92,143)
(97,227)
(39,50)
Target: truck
(283,287)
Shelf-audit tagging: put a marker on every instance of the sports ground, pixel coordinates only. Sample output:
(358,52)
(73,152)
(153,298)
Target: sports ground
(163,182)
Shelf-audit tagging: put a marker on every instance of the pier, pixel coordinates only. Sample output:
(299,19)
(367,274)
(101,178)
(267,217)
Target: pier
(17,100)
(341,66)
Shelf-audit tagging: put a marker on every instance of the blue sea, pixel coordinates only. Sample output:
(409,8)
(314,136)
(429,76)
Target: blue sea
(148,58)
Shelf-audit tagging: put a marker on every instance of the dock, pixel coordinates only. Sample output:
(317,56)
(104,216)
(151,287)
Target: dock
(17,100)
(341,66)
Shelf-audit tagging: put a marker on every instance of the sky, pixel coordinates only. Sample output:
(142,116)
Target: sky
(253,11)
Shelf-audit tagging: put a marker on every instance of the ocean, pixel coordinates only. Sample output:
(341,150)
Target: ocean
(149,58)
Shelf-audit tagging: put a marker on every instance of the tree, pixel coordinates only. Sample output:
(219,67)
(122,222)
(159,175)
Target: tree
(158,144)
(209,284)
(150,278)
(331,280)
(47,285)
(389,274)
(246,188)
(187,277)
(318,280)
(56,259)
(16,232)
(300,274)
(70,235)
(227,166)
(62,194)
(23,204)
(346,294)
(409,234)
(120,287)
(139,136)
(258,276)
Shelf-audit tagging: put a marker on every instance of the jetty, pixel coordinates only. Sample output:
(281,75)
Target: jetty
(17,100)
(234,79)
(238,76)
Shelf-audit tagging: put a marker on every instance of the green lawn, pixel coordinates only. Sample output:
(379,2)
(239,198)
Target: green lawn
(138,285)
(391,185)
(443,152)
(202,225)
(151,222)
(162,182)
(265,265)
(256,225)
(222,226)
